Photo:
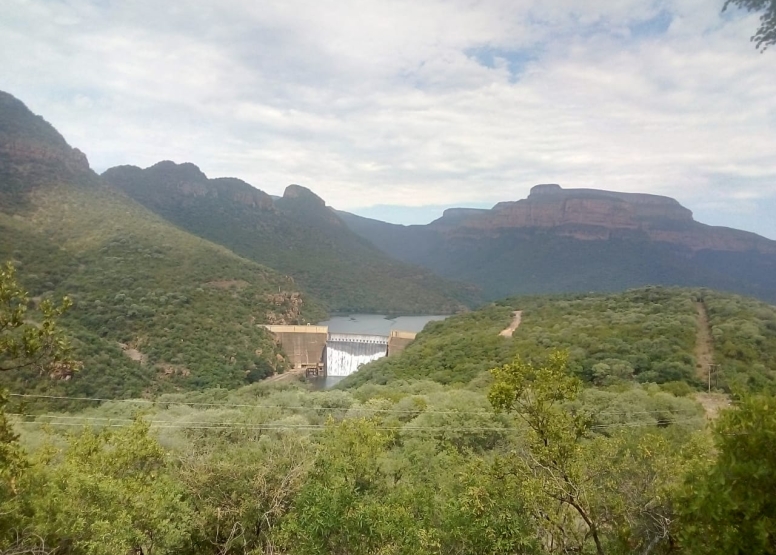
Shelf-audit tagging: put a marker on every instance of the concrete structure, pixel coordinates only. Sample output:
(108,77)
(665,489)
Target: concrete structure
(318,352)
(304,345)
(347,352)
(399,340)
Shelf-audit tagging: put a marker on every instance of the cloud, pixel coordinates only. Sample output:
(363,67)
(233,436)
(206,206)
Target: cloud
(409,103)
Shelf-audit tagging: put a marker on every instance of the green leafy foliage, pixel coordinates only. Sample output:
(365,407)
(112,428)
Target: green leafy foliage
(728,504)
(402,468)
(609,491)
(39,346)
(765,35)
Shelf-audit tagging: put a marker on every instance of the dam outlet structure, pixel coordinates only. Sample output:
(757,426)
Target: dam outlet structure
(347,352)
(316,352)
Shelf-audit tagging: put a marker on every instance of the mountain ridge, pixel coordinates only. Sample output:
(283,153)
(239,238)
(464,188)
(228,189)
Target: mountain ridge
(297,234)
(188,309)
(575,240)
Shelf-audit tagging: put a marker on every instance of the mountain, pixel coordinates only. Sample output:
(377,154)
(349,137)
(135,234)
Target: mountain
(156,308)
(297,234)
(651,334)
(561,240)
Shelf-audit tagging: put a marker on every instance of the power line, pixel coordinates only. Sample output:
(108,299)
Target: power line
(166,424)
(303,407)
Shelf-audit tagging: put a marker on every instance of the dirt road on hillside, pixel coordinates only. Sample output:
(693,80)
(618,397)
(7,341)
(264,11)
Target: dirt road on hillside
(517,316)
(704,353)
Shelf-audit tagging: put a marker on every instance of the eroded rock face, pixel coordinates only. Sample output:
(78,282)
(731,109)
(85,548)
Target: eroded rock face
(34,157)
(552,206)
(592,214)
(22,152)
(287,306)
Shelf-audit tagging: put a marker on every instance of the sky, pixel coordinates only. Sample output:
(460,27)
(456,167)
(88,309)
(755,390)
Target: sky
(400,109)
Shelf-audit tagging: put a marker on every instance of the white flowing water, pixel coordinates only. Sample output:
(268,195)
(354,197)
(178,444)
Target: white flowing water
(346,353)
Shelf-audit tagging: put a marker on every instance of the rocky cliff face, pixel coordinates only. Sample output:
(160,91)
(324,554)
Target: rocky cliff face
(594,215)
(33,153)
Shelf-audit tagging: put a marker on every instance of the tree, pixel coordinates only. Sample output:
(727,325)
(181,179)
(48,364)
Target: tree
(486,513)
(538,395)
(582,488)
(25,344)
(766,33)
(111,492)
(240,490)
(347,504)
(728,502)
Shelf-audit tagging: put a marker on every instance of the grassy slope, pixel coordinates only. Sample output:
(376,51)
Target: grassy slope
(299,237)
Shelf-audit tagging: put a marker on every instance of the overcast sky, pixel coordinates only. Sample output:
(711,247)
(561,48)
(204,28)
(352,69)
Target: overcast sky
(411,106)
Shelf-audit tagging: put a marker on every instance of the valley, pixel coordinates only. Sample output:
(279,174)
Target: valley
(576,240)
(255,375)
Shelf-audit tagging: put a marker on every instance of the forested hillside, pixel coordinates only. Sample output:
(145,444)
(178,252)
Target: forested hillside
(155,308)
(642,335)
(297,234)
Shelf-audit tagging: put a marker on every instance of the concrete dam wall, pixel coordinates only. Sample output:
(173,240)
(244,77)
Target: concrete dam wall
(313,348)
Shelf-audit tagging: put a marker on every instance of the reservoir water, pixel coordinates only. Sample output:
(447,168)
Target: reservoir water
(377,324)
(370,324)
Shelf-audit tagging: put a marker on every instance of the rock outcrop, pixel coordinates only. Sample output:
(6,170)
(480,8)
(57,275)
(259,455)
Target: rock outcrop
(33,153)
(595,215)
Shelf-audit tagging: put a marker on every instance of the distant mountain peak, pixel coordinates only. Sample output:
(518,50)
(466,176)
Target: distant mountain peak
(185,170)
(183,181)
(303,193)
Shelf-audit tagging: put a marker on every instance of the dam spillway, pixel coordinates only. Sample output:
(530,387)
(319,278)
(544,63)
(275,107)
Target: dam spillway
(315,350)
(346,352)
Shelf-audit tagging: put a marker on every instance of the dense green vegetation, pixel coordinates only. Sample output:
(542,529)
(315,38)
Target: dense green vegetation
(744,333)
(400,468)
(643,335)
(189,309)
(297,235)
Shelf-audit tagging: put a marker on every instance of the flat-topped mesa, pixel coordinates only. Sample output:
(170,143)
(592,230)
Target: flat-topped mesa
(550,206)
(594,215)
(457,216)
